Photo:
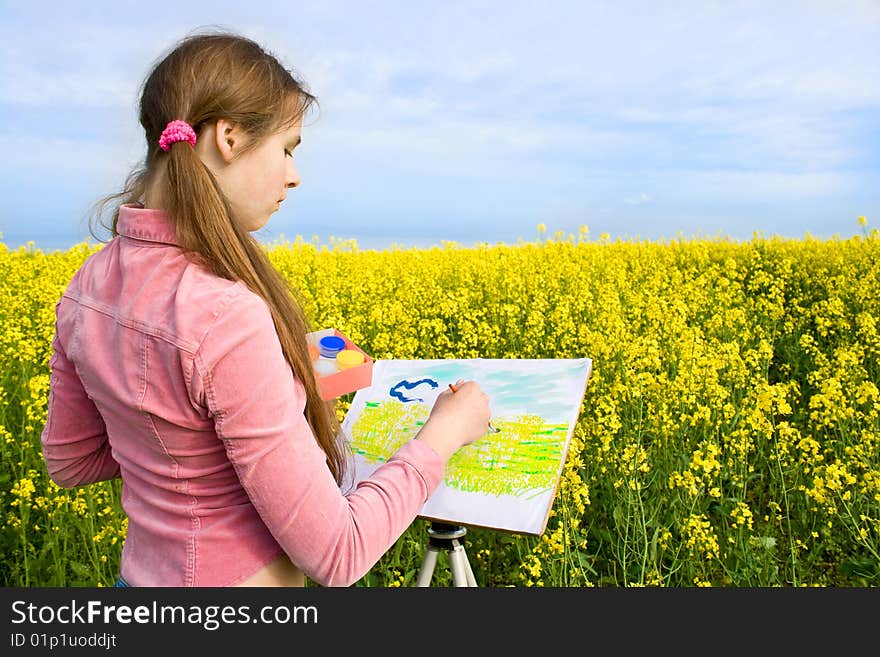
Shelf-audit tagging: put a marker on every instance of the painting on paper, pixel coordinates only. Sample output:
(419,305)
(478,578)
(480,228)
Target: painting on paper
(505,480)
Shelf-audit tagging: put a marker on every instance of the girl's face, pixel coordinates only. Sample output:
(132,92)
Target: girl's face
(256,182)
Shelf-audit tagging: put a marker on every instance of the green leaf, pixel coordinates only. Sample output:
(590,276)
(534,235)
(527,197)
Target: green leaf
(586,563)
(766,542)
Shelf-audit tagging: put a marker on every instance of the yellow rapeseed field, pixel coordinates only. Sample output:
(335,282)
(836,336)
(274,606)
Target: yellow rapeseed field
(729,435)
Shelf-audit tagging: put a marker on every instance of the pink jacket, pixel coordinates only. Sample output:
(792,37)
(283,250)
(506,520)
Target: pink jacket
(174,379)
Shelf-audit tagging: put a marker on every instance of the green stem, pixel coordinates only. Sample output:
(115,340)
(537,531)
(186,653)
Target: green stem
(791,548)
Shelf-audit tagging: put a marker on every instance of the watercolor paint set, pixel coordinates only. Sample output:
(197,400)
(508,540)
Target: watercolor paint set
(341,367)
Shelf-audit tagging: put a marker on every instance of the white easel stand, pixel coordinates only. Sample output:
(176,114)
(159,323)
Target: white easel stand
(442,536)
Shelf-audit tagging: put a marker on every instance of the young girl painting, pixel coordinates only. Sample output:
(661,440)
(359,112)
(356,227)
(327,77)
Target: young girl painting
(180,361)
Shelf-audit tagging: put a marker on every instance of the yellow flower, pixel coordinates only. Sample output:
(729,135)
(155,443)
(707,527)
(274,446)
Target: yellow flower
(862,221)
(24,489)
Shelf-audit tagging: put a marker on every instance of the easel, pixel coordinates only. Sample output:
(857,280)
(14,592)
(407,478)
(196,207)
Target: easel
(446,537)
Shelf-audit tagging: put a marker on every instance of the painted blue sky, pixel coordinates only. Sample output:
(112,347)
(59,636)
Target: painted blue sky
(477,121)
(552,389)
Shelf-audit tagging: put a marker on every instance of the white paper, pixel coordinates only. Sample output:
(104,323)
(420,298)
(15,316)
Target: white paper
(505,480)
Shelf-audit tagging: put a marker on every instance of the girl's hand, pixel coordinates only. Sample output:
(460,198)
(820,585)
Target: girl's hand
(457,418)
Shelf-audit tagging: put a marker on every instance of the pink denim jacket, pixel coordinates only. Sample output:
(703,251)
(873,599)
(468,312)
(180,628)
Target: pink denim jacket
(174,379)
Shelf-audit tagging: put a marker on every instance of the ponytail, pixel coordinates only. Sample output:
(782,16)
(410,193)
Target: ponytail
(201,218)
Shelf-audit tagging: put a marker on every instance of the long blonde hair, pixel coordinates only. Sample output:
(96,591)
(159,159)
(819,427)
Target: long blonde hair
(205,77)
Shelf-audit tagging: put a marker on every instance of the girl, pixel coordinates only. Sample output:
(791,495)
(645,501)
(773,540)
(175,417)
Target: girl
(180,362)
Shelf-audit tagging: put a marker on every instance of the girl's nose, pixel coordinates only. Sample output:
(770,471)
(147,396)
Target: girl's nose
(293,179)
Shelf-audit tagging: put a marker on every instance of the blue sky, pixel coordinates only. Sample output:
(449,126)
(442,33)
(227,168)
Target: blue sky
(476,121)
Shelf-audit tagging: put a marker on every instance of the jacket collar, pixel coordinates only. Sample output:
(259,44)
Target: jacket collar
(147,224)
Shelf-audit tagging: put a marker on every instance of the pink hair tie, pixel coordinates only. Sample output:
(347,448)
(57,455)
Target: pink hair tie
(177,131)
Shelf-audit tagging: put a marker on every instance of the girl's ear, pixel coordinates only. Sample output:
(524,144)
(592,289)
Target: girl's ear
(228,138)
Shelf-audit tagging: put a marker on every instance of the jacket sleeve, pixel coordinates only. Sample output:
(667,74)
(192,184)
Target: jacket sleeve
(74,438)
(258,410)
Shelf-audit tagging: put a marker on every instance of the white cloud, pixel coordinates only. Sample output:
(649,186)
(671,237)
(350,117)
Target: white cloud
(640,199)
(56,157)
(762,185)
(79,64)
(30,87)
